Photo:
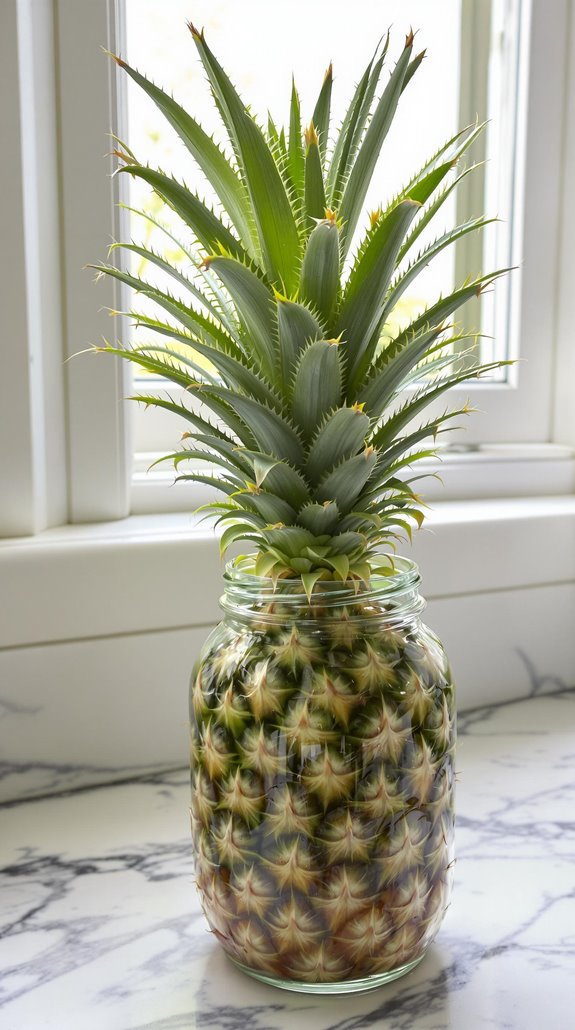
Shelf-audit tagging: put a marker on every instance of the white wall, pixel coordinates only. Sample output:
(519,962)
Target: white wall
(101,626)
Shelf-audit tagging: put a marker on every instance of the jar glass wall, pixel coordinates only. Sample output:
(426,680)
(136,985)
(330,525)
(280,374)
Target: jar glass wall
(322,757)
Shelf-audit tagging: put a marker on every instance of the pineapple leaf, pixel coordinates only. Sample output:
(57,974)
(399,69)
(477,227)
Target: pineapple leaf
(265,563)
(236,374)
(288,540)
(317,384)
(366,159)
(320,269)
(213,289)
(344,483)
(427,255)
(341,435)
(214,297)
(314,192)
(156,259)
(321,112)
(208,156)
(347,543)
(254,306)
(381,387)
(431,174)
(272,509)
(340,562)
(295,157)
(210,232)
(217,482)
(191,319)
(320,518)
(363,301)
(213,443)
(192,454)
(438,312)
(149,401)
(404,447)
(278,477)
(431,210)
(393,425)
(297,326)
(412,68)
(230,535)
(270,431)
(165,369)
(353,124)
(277,230)
(309,580)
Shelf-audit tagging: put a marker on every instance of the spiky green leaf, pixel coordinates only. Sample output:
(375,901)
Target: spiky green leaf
(340,436)
(209,230)
(314,192)
(295,155)
(320,269)
(364,164)
(277,230)
(208,155)
(344,483)
(321,112)
(297,326)
(364,299)
(253,302)
(317,385)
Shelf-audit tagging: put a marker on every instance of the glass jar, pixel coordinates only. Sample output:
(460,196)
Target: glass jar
(322,758)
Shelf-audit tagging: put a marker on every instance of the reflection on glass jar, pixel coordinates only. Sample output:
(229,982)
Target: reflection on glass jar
(322,754)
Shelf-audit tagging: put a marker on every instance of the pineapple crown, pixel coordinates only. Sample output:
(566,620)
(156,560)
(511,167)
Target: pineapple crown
(291,356)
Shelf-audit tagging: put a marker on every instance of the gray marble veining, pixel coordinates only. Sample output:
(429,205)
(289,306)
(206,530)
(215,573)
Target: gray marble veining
(101,929)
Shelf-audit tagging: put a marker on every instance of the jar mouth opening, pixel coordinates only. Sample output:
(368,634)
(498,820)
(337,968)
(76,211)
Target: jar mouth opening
(405,576)
(245,592)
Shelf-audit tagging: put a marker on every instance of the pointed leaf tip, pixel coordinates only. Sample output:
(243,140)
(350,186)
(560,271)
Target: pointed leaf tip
(196,33)
(121,156)
(310,136)
(409,39)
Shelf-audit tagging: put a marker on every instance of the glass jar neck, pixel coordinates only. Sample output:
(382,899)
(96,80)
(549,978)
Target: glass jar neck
(392,600)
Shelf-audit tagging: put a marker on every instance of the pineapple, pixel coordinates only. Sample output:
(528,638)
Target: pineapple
(322,711)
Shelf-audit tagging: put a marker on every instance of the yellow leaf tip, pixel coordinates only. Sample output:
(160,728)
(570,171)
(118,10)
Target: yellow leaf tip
(310,136)
(196,33)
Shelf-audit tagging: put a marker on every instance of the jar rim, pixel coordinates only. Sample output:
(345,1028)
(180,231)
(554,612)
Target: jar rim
(406,576)
(245,594)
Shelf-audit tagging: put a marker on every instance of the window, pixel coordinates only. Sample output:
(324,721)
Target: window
(65,433)
(472,73)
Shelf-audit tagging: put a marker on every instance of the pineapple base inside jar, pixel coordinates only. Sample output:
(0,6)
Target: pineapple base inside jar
(322,794)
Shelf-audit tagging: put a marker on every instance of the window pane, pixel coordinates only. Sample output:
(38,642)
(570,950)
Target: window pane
(260,49)
(468,74)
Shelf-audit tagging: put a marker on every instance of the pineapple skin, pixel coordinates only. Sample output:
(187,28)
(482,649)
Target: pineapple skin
(322,770)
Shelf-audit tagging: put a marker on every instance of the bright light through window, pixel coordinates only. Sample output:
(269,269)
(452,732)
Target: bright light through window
(260,45)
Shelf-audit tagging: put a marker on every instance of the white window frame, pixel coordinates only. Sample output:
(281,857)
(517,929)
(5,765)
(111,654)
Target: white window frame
(65,453)
(522,409)
(65,435)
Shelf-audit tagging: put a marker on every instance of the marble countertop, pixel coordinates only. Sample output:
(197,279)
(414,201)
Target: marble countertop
(101,928)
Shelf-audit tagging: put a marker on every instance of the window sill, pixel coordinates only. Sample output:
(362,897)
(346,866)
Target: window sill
(151,572)
(483,472)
